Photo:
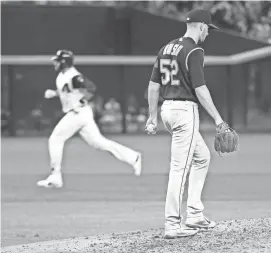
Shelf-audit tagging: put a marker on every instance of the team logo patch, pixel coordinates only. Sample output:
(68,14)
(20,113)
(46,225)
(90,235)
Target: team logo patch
(80,79)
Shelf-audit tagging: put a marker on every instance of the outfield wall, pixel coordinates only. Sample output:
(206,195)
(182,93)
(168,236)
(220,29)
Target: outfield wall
(239,94)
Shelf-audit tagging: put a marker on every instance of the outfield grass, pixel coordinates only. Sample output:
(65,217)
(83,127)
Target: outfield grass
(101,195)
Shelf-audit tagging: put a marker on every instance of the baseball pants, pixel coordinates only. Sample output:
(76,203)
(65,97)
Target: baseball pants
(83,122)
(189,154)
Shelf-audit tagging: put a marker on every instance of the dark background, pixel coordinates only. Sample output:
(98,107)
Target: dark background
(242,93)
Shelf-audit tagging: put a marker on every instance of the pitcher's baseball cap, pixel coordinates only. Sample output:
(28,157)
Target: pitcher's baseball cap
(200,16)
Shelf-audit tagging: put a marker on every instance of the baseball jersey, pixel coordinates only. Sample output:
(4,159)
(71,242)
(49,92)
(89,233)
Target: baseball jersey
(179,69)
(68,87)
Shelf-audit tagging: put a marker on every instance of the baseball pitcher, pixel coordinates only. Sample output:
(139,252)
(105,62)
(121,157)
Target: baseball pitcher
(74,91)
(178,77)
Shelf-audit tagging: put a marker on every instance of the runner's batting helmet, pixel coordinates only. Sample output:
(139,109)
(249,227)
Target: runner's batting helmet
(64,57)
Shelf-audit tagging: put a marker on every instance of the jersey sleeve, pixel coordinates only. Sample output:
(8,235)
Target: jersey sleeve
(156,75)
(196,68)
(82,82)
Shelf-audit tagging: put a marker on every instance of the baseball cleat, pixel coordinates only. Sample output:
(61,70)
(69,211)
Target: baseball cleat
(182,232)
(138,165)
(200,223)
(54,180)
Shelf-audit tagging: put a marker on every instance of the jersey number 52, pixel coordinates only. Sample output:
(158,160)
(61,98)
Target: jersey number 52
(169,68)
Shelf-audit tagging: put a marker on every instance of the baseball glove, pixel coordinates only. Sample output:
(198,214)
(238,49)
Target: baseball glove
(226,139)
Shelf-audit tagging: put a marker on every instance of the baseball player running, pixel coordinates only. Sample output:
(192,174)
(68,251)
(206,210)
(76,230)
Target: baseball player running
(74,91)
(178,77)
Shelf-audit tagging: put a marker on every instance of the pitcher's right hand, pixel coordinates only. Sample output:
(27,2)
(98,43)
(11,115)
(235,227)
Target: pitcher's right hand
(151,125)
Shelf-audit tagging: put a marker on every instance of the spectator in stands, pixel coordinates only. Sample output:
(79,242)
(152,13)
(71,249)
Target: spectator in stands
(112,114)
(36,118)
(132,106)
(5,121)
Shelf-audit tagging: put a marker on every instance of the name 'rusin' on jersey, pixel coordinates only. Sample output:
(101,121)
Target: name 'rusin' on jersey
(172,70)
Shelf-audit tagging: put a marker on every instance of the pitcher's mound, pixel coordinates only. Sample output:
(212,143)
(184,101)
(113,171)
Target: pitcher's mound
(238,236)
